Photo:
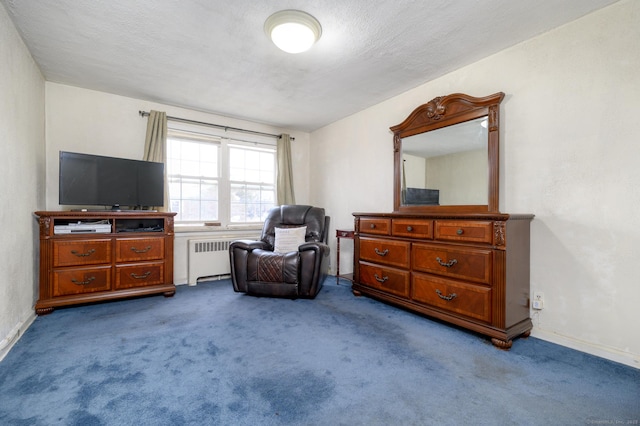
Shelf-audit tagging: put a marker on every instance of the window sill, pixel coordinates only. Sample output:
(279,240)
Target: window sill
(192,228)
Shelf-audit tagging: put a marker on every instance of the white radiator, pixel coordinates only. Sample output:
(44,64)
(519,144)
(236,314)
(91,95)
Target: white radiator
(210,257)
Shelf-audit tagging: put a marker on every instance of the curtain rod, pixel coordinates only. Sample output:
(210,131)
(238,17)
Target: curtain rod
(217,126)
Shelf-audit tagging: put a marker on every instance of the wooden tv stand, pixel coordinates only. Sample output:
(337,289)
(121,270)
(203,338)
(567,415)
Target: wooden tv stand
(131,256)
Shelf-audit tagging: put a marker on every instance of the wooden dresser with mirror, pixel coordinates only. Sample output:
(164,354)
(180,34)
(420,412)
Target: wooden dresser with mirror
(446,250)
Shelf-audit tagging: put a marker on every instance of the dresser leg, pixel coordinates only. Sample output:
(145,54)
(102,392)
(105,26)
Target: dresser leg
(356,292)
(44,311)
(526,334)
(169,293)
(505,345)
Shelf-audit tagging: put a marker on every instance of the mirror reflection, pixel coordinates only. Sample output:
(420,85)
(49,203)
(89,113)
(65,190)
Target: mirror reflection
(447,166)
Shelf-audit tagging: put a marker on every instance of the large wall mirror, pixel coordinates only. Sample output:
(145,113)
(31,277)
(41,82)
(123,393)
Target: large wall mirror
(446,156)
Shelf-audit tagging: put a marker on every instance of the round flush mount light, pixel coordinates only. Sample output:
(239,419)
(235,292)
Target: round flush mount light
(293,31)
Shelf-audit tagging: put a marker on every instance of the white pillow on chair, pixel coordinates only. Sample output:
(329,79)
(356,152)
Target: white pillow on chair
(289,239)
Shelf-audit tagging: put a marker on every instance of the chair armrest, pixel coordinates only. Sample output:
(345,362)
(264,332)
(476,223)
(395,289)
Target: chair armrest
(321,249)
(248,244)
(239,251)
(314,262)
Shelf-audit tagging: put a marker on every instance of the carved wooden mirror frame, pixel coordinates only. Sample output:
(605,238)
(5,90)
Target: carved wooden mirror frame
(448,111)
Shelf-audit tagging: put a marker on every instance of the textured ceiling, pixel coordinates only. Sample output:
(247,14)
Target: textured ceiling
(213,55)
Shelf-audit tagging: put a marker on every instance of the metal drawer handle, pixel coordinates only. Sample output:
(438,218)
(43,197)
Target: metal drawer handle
(89,253)
(460,231)
(373,225)
(447,298)
(381,253)
(409,228)
(140,277)
(87,281)
(448,264)
(144,250)
(380,280)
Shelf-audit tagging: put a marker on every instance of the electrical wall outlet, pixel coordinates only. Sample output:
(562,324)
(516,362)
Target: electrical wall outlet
(538,300)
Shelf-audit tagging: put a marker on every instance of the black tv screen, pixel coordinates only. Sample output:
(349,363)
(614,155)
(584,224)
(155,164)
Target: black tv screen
(94,180)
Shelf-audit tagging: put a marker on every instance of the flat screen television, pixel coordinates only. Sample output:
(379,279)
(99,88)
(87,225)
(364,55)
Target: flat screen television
(94,180)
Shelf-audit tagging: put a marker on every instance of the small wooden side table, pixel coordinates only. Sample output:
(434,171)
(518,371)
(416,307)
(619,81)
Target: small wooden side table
(342,233)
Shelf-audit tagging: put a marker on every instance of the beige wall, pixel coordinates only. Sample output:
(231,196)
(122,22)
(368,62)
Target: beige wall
(462,177)
(569,155)
(21,181)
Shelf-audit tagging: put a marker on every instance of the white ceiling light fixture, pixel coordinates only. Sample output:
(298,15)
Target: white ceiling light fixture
(293,31)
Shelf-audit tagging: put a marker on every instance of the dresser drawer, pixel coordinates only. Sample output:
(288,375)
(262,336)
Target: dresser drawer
(394,253)
(470,300)
(81,280)
(386,279)
(453,261)
(137,249)
(468,231)
(139,275)
(376,226)
(78,253)
(412,228)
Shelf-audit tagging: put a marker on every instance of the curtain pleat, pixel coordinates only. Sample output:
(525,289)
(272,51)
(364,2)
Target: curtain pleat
(284,170)
(155,148)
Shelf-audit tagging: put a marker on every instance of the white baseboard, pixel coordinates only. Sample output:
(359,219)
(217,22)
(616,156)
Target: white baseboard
(612,354)
(15,334)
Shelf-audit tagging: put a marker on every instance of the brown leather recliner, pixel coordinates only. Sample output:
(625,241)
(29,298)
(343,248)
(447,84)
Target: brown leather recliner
(257,270)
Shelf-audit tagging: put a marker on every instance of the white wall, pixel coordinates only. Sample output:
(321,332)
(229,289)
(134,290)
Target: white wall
(104,124)
(21,181)
(569,152)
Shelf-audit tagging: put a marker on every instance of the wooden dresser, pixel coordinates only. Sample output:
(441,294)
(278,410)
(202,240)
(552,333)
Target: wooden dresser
(468,269)
(130,254)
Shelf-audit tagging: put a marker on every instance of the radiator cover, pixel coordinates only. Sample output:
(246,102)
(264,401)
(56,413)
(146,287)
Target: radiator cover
(209,257)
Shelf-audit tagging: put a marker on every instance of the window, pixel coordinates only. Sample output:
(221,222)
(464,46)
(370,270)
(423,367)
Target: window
(252,180)
(214,179)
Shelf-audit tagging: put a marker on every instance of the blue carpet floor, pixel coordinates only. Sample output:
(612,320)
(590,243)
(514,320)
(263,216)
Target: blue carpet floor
(209,356)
